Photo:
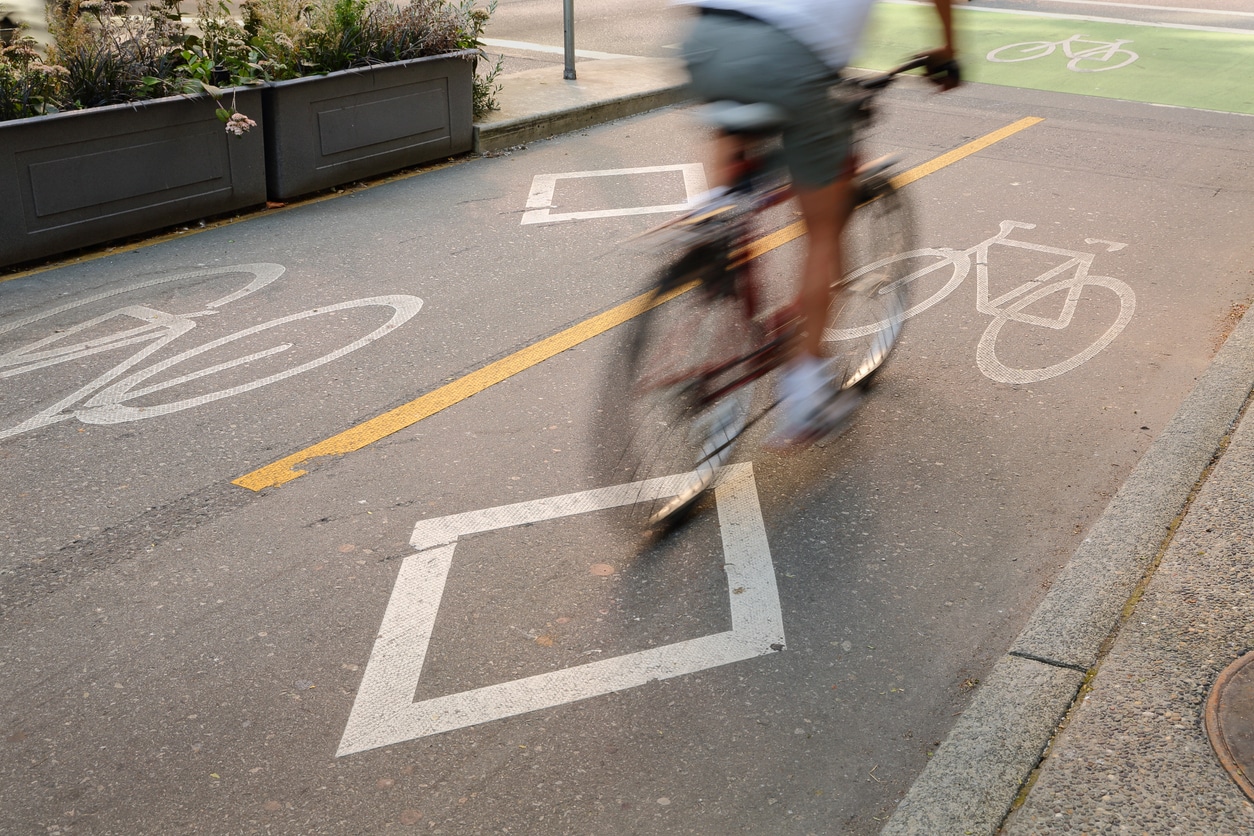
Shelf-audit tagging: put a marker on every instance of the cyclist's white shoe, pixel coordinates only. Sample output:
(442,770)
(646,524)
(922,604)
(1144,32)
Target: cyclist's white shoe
(810,405)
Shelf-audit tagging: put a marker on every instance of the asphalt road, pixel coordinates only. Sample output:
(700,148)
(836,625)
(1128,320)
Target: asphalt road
(181,654)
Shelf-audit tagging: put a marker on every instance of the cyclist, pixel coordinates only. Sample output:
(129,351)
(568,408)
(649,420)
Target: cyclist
(788,53)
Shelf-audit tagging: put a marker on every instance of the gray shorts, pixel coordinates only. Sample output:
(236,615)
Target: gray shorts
(746,60)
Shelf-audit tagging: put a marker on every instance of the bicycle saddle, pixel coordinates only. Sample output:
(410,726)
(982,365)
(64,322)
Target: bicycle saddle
(740,118)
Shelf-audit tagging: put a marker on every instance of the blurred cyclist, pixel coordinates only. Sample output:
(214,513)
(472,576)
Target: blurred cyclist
(787,53)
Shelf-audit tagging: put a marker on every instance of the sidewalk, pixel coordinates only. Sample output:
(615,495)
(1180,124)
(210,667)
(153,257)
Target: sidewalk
(539,103)
(1135,753)
(1166,572)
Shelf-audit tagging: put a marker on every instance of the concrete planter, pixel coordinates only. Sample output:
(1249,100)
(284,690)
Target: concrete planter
(74,179)
(324,131)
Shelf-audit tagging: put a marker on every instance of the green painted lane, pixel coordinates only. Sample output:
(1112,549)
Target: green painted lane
(1210,70)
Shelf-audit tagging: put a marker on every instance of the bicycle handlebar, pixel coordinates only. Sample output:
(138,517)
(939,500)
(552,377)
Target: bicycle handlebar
(939,73)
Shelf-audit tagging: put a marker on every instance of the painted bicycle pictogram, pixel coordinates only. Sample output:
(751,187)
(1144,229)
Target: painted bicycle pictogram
(1085,55)
(110,397)
(1071,278)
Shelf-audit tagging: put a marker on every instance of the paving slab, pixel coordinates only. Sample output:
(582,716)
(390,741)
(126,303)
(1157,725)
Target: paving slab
(1134,754)
(540,103)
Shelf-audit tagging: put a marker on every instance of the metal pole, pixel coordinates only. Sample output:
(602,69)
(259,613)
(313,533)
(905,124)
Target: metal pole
(568,16)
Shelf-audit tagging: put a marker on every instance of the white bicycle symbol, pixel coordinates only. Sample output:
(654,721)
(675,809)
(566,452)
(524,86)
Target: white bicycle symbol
(1010,306)
(105,399)
(1097,57)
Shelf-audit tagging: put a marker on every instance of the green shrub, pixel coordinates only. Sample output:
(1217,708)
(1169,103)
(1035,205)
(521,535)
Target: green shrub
(102,55)
(111,57)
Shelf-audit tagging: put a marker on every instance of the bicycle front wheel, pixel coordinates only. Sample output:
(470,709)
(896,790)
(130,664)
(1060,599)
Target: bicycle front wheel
(870,306)
(676,397)
(1122,306)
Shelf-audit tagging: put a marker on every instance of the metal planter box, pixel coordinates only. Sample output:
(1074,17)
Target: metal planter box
(85,177)
(324,131)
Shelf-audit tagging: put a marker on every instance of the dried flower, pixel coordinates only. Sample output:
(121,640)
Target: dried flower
(49,69)
(22,51)
(238,124)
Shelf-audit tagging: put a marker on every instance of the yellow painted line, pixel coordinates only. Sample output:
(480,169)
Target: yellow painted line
(796,230)
(907,177)
(429,404)
(776,239)
(406,415)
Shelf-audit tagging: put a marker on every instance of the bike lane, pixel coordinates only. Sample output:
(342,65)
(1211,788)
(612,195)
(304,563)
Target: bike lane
(204,663)
(1198,66)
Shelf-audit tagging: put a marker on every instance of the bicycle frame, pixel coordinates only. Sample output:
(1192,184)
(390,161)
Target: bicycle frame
(711,331)
(754,163)
(1075,261)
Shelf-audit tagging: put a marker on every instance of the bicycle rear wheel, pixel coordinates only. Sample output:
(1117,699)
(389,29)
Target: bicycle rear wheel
(867,312)
(675,401)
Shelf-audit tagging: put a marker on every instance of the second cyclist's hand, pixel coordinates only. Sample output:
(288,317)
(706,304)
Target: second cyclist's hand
(942,67)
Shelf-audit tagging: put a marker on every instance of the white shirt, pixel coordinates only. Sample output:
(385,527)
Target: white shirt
(831,28)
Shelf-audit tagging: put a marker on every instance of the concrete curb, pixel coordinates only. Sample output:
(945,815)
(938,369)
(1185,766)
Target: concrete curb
(497,135)
(537,104)
(971,782)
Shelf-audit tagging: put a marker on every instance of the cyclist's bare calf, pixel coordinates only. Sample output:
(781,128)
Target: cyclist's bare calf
(825,210)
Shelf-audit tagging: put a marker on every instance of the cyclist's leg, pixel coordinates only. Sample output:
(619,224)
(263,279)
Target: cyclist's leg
(746,60)
(826,212)
(817,148)
(810,397)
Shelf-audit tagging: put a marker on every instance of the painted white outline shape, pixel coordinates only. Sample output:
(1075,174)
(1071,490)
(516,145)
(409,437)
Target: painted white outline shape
(543,186)
(385,712)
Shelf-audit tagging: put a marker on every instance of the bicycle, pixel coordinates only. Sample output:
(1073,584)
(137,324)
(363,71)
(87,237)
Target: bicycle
(105,399)
(1098,52)
(928,266)
(682,397)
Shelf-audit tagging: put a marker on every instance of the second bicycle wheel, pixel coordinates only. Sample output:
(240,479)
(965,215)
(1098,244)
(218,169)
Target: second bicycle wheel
(866,316)
(670,406)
